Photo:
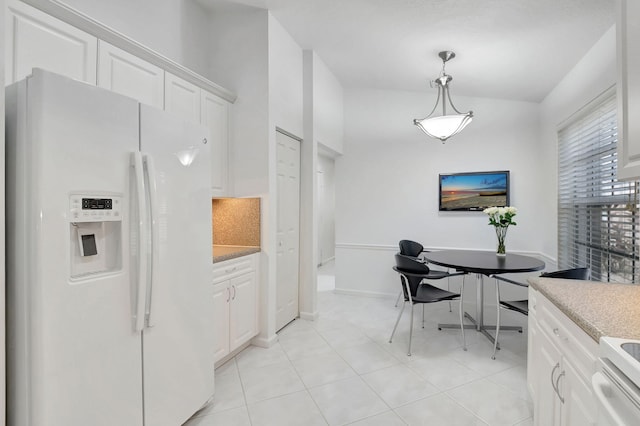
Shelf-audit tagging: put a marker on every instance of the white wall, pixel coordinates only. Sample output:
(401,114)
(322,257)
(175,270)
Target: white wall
(177,29)
(387,181)
(239,62)
(328,106)
(326,209)
(256,58)
(285,80)
(2,234)
(323,131)
(595,73)
(285,112)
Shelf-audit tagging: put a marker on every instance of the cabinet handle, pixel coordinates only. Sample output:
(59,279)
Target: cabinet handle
(234,293)
(556,331)
(228,294)
(553,382)
(228,271)
(557,387)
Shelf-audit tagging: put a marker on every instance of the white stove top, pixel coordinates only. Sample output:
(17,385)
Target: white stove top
(624,354)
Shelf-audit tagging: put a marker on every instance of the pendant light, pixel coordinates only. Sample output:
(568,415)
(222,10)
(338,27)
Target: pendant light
(446,125)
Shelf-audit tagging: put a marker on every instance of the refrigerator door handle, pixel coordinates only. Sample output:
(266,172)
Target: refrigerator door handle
(155,236)
(136,162)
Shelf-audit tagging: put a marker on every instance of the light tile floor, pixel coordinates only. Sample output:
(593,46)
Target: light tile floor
(342,370)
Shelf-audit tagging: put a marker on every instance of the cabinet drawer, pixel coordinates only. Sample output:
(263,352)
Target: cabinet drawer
(232,268)
(571,339)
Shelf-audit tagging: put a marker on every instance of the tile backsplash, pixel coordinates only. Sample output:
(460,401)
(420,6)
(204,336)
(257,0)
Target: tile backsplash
(236,221)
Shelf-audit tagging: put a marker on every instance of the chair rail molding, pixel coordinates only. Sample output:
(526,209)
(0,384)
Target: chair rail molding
(550,261)
(85,23)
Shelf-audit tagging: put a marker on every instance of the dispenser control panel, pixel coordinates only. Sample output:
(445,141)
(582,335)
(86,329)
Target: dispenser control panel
(95,208)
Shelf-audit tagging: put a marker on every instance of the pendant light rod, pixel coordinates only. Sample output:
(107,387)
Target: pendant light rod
(444,126)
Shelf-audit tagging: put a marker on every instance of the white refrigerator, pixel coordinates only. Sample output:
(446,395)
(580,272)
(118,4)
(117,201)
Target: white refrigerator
(109,295)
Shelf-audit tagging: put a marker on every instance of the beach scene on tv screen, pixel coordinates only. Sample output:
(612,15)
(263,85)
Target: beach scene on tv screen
(473,191)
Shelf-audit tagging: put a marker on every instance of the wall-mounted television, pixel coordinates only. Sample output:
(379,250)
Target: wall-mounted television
(473,191)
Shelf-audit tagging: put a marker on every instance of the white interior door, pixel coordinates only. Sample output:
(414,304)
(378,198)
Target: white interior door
(178,344)
(288,230)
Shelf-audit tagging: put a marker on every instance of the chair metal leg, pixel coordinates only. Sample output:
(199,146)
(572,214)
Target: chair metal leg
(448,287)
(398,298)
(410,329)
(397,321)
(464,340)
(495,341)
(423,315)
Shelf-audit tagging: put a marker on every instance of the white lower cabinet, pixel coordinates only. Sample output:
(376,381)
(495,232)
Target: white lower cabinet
(561,361)
(235,294)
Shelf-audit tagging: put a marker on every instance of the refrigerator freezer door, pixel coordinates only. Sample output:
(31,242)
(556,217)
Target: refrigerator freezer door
(178,348)
(73,357)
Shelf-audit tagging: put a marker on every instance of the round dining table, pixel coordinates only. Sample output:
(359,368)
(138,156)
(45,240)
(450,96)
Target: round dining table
(482,263)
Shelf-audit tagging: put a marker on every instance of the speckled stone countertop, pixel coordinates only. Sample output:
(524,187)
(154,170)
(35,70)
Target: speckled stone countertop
(600,309)
(222,253)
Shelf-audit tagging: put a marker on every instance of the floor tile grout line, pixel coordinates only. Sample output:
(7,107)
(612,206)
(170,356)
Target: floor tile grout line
(362,329)
(497,384)
(244,393)
(466,409)
(506,388)
(306,388)
(359,375)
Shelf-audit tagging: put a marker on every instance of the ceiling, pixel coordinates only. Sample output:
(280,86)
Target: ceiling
(508,49)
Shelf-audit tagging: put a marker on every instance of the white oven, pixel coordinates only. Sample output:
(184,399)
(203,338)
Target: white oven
(616,384)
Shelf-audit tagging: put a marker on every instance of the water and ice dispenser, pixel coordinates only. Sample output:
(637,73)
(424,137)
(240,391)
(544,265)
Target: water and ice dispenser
(95,234)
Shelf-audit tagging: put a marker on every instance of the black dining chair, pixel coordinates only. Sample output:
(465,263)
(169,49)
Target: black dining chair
(414,249)
(522,306)
(412,273)
(409,248)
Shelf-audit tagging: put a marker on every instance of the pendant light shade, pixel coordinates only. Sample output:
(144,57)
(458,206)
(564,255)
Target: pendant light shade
(446,125)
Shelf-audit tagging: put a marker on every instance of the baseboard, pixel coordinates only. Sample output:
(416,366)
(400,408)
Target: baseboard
(233,353)
(365,293)
(325,261)
(262,342)
(309,316)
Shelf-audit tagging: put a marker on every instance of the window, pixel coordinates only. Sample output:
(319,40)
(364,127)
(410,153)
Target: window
(597,215)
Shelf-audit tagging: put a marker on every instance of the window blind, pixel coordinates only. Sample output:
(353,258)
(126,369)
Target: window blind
(597,214)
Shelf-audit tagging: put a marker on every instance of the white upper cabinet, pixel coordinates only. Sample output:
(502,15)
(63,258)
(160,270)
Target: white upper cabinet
(37,40)
(181,98)
(628,88)
(215,115)
(129,75)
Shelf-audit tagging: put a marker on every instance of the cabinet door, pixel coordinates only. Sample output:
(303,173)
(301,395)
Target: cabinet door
(547,366)
(37,40)
(181,98)
(533,338)
(129,75)
(579,408)
(243,318)
(628,88)
(221,299)
(215,115)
